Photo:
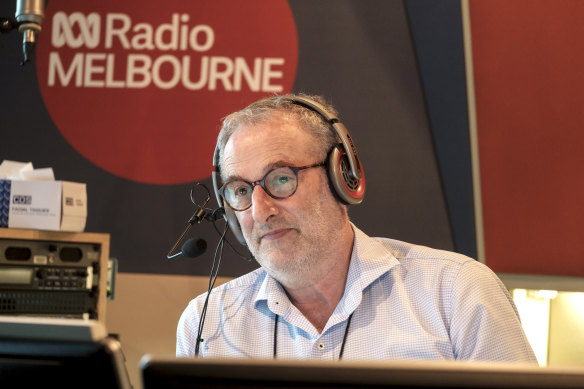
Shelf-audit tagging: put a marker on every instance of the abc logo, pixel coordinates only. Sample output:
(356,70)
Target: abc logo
(88,26)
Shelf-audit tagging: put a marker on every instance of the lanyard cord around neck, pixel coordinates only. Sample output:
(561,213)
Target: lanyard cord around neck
(277,319)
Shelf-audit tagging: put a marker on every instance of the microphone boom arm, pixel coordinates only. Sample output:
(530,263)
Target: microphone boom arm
(197,218)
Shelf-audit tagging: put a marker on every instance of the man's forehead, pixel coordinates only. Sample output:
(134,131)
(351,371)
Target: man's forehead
(272,155)
(264,146)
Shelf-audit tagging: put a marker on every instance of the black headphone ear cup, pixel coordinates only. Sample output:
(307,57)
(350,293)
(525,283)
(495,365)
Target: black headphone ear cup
(349,189)
(234,223)
(229,213)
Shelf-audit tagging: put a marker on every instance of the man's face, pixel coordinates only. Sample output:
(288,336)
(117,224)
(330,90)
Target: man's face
(289,237)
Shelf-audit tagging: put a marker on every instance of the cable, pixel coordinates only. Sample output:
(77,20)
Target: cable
(212,279)
(248,258)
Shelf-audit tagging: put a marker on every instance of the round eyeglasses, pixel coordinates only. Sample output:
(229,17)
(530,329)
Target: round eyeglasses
(279,183)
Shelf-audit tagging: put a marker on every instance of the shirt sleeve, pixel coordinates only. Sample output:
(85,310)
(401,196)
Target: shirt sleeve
(186,332)
(485,324)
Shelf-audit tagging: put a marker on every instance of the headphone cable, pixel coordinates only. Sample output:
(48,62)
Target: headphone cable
(248,258)
(212,278)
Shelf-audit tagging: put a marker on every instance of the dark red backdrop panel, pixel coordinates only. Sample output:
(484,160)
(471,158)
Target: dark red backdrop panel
(528,63)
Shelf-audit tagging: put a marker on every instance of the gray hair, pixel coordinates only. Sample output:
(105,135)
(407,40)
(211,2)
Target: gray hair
(266,109)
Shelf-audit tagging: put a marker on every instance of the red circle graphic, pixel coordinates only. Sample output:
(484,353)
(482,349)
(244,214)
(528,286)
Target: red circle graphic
(139,89)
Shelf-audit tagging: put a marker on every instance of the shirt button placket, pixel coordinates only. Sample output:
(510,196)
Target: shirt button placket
(321,348)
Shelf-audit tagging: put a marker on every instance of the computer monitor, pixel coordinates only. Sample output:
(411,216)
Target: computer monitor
(59,353)
(174,373)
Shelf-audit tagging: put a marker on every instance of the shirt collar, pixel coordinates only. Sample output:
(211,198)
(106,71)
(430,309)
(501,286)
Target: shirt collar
(272,291)
(369,261)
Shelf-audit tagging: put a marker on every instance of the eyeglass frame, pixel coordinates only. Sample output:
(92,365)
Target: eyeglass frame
(261,183)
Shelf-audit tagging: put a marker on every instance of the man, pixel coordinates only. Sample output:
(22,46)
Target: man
(325,290)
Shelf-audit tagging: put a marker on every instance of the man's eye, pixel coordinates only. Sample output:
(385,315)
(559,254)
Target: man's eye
(282,180)
(241,191)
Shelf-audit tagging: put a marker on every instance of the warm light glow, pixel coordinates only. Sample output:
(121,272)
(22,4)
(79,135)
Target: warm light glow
(546,294)
(534,312)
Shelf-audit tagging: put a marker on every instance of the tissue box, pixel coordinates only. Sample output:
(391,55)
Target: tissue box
(43,205)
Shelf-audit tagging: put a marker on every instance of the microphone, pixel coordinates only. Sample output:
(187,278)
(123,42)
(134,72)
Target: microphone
(29,16)
(194,247)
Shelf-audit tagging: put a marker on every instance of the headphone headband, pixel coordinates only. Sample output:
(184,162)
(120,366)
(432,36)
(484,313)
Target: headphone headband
(340,130)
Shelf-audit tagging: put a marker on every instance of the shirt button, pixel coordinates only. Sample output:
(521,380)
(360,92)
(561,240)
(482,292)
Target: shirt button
(320,346)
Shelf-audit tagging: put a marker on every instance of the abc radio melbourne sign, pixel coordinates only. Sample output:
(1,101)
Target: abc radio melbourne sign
(141,70)
(140,91)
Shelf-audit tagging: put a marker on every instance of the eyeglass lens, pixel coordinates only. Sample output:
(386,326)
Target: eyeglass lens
(279,183)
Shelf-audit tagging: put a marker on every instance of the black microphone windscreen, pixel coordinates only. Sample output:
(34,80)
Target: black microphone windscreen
(194,247)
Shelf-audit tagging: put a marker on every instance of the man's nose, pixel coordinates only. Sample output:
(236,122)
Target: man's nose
(263,206)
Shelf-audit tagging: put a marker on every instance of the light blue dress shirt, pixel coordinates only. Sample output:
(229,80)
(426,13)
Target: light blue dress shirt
(407,301)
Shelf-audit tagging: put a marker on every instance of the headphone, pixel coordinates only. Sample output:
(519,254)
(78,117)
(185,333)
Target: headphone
(344,169)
